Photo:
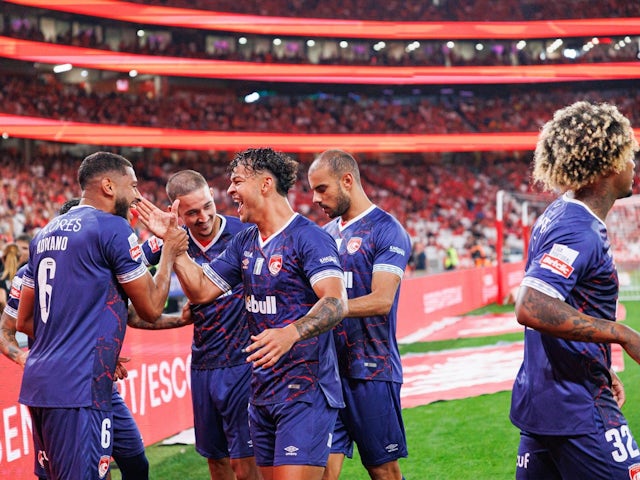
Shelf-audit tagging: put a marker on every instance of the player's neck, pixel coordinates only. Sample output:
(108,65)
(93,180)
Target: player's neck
(276,216)
(357,208)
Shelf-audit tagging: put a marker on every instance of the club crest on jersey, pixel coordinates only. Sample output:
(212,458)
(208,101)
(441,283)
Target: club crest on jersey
(634,471)
(15,292)
(155,243)
(135,252)
(354,245)
(275,264)
(103,465)
(559,260)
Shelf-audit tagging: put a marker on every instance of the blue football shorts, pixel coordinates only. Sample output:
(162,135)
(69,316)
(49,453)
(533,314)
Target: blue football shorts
(293,433)
(372,419)
(220,401)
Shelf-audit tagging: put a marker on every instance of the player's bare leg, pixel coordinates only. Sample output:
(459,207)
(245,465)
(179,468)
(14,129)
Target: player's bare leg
(220,469)
(246,468)
(386,471)
(292,472)
(334,466)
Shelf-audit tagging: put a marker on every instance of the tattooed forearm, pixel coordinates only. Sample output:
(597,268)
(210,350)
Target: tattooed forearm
(164,322)
(9,343)
(324,315)
(557,318)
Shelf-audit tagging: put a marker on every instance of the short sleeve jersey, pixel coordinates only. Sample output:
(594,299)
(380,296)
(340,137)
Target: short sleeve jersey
(372,242)
(13,300)
(562,382)
(76,267)
(278,275)
(220,331)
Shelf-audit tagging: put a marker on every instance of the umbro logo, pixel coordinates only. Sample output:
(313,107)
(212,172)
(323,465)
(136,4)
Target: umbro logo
(291,450)
(392,447)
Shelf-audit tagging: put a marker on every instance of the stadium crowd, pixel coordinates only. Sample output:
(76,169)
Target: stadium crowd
(35,24)
(416,189)
(462,110)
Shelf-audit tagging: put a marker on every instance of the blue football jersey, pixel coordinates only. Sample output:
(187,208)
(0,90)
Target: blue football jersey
(561,382)
(220,331)
(278,274)
(372,242)
(13,300)
(77,263)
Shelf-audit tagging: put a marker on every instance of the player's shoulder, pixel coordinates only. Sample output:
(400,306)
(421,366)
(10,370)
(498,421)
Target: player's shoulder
(384,222)
(234,225)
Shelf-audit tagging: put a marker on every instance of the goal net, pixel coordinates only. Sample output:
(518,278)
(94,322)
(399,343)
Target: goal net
(624,235)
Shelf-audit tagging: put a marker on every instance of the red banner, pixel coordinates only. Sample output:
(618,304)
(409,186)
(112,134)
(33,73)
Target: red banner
(27,50)
(157,391)
(430,299)
(323,27)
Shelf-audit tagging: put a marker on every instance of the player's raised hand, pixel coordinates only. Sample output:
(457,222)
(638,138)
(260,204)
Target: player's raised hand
(176,240)
(157,221)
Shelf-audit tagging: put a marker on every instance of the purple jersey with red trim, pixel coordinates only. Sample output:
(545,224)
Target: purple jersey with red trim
(562,382)
(372,242)
(77,263)
(13,300)
(278,274)
(220,330)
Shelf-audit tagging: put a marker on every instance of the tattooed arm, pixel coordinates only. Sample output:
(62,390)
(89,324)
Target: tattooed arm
(329,310)
(164,322)
(8,343)
(550,315)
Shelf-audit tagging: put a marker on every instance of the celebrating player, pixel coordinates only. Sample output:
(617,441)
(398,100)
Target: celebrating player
(219,372)
(294,294)
(83,267)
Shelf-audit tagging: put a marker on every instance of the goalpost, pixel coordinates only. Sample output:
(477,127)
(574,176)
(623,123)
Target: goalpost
(515,214)
(623,231)
(624,234)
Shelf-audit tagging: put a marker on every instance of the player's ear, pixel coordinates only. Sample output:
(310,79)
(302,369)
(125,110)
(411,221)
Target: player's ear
(107,186)
(347,180)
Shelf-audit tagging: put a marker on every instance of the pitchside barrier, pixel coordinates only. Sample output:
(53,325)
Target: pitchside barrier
(158,389)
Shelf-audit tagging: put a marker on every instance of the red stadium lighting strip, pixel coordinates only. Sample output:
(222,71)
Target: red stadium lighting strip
(114,135)
(50,53)
(316,27)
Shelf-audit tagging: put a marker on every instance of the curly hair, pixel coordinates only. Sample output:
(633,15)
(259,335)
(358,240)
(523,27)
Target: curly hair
(582,143)
(283,167)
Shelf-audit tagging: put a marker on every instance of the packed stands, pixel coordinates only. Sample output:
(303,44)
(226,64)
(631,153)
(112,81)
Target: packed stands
(38,176)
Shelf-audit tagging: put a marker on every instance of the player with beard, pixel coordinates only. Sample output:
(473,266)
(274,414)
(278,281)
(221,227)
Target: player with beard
(566,399)
(83,268)
(374,250)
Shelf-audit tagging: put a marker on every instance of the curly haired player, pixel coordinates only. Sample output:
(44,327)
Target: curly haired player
(566,399)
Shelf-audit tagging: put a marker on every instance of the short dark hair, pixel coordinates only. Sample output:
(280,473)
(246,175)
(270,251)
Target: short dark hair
(68,205)
(339,162)
(184,182)
(99,163)
(283,167)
